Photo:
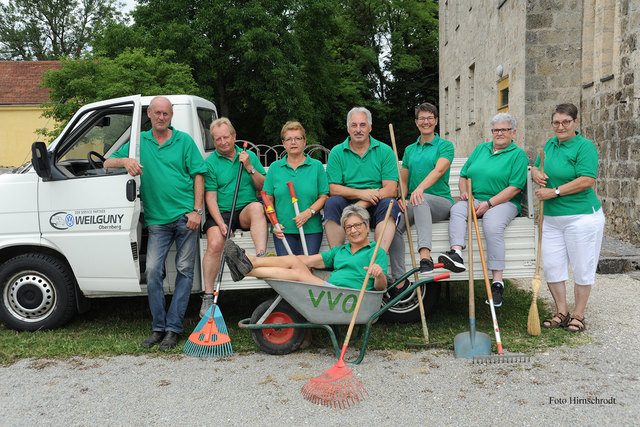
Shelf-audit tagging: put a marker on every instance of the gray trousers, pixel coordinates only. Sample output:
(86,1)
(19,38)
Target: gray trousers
(433,208)
(494,221)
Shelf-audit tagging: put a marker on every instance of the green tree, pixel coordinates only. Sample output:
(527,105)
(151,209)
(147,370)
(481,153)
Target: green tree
(412,28)
(79,82)
(268,61)
(51,29)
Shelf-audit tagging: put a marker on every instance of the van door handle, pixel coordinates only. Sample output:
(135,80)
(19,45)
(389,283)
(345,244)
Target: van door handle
(131,190)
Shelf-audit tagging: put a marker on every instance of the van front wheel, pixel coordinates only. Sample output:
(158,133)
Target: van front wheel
(37,292)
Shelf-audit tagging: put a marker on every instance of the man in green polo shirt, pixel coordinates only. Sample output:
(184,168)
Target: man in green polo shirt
(172,188)
(361,170)
(220,184)
(349,261)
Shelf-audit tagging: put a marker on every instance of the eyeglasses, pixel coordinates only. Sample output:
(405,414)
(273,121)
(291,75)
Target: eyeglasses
(426,119)
(497,131)
(357,225)
(564,123)
(291,139)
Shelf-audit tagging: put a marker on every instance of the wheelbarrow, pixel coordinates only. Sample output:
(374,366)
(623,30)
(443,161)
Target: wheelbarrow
(281,324)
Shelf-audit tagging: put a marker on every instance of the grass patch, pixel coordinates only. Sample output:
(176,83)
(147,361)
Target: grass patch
(116,326)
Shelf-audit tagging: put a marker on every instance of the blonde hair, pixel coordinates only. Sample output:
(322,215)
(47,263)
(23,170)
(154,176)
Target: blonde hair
(291,125)
(222,121)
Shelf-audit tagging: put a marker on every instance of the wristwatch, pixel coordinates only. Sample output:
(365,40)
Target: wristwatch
(558,191)
(252,171)
(489,203)
(199,211)
(313,211)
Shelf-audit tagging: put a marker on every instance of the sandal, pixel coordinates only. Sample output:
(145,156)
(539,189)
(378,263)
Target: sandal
(552,323)
(576,328)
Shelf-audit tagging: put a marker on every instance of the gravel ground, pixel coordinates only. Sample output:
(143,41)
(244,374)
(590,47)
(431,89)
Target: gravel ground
(404,388)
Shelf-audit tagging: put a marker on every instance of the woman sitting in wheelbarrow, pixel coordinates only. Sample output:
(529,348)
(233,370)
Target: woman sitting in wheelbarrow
(349,262)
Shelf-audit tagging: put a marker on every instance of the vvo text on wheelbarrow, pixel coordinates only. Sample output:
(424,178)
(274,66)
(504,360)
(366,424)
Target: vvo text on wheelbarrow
(71,230)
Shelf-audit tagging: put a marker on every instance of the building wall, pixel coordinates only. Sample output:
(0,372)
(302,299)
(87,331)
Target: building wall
(611,110)
(553,52)
(18,132)
(478,34)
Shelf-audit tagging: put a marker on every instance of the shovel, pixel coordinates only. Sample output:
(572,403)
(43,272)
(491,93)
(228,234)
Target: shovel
(472,343)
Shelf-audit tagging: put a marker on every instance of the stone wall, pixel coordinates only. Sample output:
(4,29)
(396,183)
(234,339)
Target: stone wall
(482,35)
(553,63)
(580,51)
(611,118)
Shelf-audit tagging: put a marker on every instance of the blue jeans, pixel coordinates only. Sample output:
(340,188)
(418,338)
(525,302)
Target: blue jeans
(161,237)
(295,243)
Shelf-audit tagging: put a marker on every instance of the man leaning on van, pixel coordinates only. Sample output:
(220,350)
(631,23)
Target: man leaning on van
(171,172)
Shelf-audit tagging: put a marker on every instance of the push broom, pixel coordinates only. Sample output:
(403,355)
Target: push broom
(533,322)
(337,386)
(423,319)
(210,338)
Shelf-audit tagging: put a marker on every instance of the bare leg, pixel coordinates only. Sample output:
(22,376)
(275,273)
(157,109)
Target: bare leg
(385,240)
(288,267)
(252,217)
(211,258)
(335,234)
(559,293)
(581,293)
(425,253)
(497,275)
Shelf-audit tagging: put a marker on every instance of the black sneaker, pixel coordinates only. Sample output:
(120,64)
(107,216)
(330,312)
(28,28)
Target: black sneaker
(497,290)
(452,261)
(394,292)
(237,258)
(233,270)
(426,265)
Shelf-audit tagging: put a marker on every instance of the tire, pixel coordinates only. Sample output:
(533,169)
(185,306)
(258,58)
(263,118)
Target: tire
(278,341)
(408,310)
(37,291)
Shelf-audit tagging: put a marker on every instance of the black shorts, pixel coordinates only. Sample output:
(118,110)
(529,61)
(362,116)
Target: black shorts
(226,216)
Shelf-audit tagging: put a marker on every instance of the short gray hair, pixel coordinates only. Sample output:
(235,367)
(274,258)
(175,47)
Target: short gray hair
(504,118)
(359,110)
(157,98)
(354,210)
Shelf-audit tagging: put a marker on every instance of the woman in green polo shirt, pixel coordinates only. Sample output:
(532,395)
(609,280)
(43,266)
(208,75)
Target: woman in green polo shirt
(311,187)
(573,219)
(498,170)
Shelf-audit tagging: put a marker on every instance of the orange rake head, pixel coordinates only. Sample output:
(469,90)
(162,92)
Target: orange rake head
(208,342)
(336,388)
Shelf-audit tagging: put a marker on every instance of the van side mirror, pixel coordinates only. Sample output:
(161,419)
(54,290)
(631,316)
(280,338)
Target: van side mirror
(40,160)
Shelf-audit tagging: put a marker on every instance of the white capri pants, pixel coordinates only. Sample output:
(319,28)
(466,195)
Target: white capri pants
(574,239)
(494,221)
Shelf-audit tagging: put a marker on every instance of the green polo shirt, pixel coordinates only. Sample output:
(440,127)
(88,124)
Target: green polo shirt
(564,162)
(493,172)
(348,268)
(420,160)
(309,180)
(222,176)
(347,168)
(166,183)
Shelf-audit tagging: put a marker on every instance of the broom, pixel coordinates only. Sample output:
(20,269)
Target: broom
(533,322)
(210,337)
(425,329)
(337,387)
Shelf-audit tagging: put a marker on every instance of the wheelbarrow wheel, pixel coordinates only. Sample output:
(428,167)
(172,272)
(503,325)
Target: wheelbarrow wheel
(278,340)
(407,310)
